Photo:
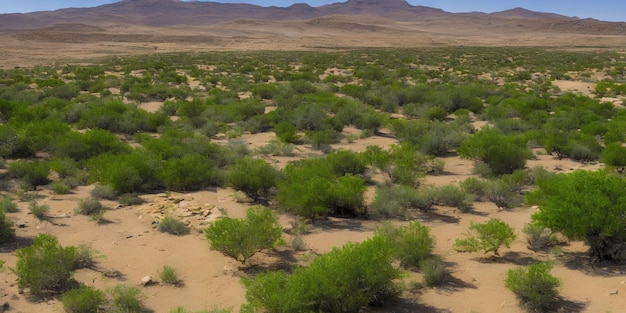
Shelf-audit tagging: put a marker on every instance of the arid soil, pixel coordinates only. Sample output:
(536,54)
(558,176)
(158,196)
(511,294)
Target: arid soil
(132,248)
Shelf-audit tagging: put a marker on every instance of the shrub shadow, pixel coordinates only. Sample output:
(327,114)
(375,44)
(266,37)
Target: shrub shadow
(16,243)
(518,258)
(564,305)
(432,216)
(402,305)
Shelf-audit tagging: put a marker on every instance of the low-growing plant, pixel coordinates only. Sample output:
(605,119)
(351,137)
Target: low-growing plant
(488,237)
(241,238)
(89,207)
(38,210)
(101,192)
(85,257)
(83,300)
(504,194)
(454,196)
(181,309)
(539,237)
(434,271)
(7,232)
(124,299)
(173,226)
(474,186)
(533,285)
(44,266)
(411,243)
(130,199)
(59,188)
(168,275)
(7,205)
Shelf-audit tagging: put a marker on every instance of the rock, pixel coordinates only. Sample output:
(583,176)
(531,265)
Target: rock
(4,307)
(146,280)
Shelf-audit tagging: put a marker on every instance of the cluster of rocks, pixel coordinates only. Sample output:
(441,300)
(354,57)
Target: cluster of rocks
(184,208)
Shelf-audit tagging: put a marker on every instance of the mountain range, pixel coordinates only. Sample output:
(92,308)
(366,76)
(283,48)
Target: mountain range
(161,13)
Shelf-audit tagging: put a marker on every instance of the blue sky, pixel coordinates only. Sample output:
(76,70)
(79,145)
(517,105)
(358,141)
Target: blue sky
(608,10)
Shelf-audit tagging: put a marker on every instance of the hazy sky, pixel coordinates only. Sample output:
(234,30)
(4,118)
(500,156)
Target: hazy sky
(608,10)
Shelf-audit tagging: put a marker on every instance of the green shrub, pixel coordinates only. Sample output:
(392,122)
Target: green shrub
(254,177)
(84,257)
(59,188)
(130,199)
(411,243)
(89,207)
(181,309)
(124,299)
(168,275)
(44,266)
(7,205)
(7,232)
(83,300)
(276,148)
(533,285)
(474,186)
(434,271)
(173,226)
(539,237)
(241,238)
(38,210)
(343,280)
(191,172)
(488,237)
(503,193)
(32,173)
(454,196)
(100,192)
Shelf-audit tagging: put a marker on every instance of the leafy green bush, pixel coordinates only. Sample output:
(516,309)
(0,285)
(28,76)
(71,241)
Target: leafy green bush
(241,238)
(7,232)
(488,237)
(173,226)
(411,243)
(474,186)
(582,206)
(89,207)
(343,280)
(44,266)
(83,300)
(60,188)
(533,285)
(181,309)
(454,196)
(32,173)
(124,299)
(7,205)
(254,177)
(38,210)
(191,172)
(434,270)
(130,199)
(504,193)
(168,275)
(100,192)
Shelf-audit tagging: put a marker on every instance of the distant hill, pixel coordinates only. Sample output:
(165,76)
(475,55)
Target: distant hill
(161,13)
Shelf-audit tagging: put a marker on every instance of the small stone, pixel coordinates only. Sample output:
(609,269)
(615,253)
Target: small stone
(146,280)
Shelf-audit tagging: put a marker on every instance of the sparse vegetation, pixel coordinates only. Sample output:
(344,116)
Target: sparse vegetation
(169,275)
(173,226)
(488,237)
(83,300)
(38,210)
(534,285)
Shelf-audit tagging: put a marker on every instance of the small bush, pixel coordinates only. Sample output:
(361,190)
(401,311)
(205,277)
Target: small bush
(130,199)
(37,210)
(44,266)
(89,207)
(533,285)
(101,192)
(124,299)
(181,309)
(434,271)
(7,232)
(454,196)
(168,275)
(488,236)
(7,205)
(60,188)
(173,226)
(411,243)
(84,257)
(241,238)
(539,237)
(503,193)
(83,300)
(474,186)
